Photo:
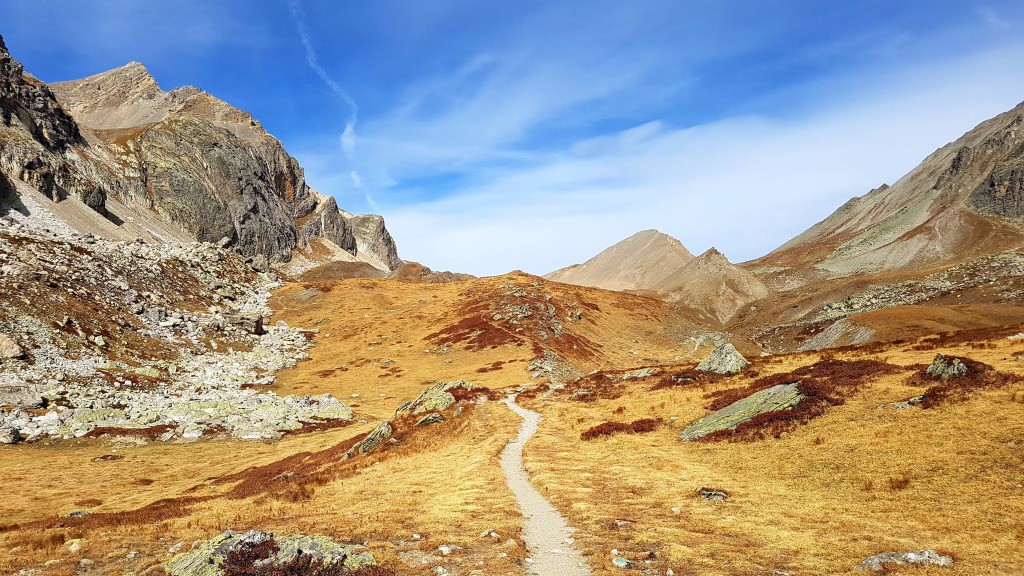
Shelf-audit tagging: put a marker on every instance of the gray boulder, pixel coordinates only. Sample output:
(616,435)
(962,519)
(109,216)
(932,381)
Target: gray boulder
(920,557)
(9,435)
(946,367)
(20,397)
(774,399)
(250,322)
(9,349)
(207,558)
(376,437)
(724,360)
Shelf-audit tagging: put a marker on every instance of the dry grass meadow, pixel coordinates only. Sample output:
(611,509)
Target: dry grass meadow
(853,481)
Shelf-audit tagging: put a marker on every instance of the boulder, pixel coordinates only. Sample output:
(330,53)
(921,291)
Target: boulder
(9,349)
(712,495)
(436,398)
(207,558)
(250,322)
(20,397)
(920,557)
(774,399)
(946,367)
(724,360)
(9,435)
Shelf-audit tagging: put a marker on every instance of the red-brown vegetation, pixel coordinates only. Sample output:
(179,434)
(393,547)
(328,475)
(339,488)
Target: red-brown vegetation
(641,426)
(958,388)
(824,384)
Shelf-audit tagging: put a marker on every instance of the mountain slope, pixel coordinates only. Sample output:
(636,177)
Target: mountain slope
(711,283)
(964,200)
(636,263)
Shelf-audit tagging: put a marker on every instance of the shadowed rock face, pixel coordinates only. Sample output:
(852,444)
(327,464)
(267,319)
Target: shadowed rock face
(191,159)
(774,399)
(36,135)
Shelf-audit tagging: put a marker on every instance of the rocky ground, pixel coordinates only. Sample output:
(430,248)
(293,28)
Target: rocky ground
(160,341)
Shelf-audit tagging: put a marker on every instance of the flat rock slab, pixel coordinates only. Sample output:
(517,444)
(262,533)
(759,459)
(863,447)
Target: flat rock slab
(774,399)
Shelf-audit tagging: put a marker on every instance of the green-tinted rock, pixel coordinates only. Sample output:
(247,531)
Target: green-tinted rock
(376,436)
(436,398)
(774,399)
(724,360)
(207,559)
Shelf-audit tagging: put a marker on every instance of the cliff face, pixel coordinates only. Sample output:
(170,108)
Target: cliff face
(38,138)
(183,157)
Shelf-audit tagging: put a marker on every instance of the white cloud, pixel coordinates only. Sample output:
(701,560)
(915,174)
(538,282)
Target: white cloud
(348,136)
(743,184)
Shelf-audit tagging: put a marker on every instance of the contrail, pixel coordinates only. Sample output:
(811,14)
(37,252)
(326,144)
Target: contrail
(348,136)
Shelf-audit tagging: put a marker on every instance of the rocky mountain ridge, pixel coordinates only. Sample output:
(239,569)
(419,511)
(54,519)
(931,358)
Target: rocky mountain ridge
(168,166)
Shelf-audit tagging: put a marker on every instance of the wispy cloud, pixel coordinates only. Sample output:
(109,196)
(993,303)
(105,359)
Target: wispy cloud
(744,184)
(348,136)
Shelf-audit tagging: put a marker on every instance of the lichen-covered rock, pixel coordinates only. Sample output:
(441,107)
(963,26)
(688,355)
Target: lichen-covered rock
(376,437)
(207,559)
(724,360)
(432,418)
(920,557)
(774,399)
(436,398)
(946,367)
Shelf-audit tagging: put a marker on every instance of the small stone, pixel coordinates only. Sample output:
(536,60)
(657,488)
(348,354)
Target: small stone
(78,513)
(623,563)
(712,495)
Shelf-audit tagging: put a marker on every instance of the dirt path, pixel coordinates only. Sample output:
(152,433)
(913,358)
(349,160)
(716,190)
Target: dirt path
(548,537)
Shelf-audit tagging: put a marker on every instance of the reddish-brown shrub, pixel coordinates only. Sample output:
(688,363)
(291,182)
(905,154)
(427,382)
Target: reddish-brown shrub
(957,389)
(641,426)
(824,384)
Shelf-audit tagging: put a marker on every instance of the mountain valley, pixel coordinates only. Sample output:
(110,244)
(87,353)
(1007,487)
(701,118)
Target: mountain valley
(208,368)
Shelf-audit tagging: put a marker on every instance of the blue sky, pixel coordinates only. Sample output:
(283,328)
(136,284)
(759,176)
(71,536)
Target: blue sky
(530,135)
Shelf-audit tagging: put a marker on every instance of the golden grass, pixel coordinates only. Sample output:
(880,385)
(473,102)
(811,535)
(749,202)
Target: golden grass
(850,483)
(854,482)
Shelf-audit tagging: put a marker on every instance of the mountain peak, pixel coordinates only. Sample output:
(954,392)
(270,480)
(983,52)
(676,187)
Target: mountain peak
(635,263)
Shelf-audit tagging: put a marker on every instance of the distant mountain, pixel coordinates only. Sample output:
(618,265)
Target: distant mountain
(963,201)
(115,155)
(712,284)
(639,262)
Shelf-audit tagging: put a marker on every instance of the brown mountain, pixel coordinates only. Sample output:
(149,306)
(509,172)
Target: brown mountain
(711,283)
(639,262)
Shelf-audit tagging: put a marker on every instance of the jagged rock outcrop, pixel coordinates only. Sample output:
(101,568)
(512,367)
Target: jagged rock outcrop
(726,359)
(374,241)
(38,139)
(184,157)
